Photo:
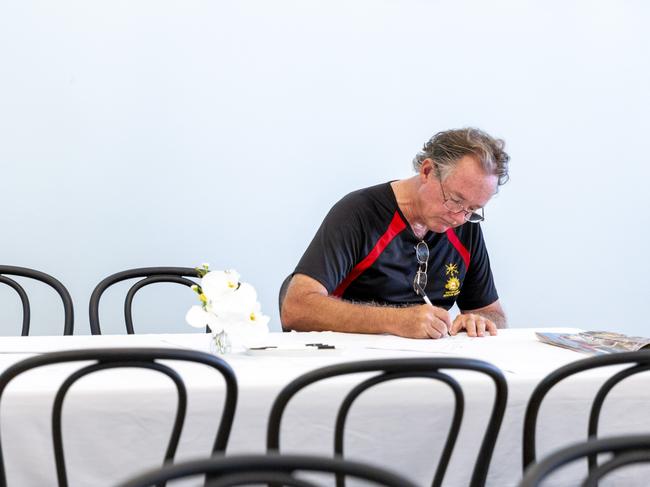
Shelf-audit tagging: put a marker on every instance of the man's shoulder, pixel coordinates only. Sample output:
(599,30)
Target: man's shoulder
(370,198)
(364,208)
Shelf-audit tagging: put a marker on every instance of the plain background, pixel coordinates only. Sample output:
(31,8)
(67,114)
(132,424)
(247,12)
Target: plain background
(147,133)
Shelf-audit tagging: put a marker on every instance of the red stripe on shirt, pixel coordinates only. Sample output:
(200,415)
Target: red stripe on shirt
(396,226)
(464,253)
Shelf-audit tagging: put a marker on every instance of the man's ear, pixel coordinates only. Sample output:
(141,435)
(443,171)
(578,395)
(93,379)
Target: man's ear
(427,168)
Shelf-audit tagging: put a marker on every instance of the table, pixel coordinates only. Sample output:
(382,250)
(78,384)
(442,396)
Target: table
(396,425)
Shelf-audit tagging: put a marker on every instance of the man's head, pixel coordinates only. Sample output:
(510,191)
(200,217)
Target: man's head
(459,171)
(447,148)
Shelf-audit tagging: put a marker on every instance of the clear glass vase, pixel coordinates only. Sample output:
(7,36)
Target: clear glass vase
(220,343)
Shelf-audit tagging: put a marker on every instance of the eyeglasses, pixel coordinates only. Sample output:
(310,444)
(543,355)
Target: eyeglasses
(422,255)
(455,206)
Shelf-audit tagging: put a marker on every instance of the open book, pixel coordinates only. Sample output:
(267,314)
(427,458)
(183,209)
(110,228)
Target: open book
(595,342)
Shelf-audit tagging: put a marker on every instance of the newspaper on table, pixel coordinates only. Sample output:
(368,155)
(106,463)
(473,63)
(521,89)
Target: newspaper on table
(595,342)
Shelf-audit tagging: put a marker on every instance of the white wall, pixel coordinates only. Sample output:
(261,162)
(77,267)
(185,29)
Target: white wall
(137,133)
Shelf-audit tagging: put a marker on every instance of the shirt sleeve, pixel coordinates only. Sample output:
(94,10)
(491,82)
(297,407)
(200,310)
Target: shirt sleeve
(337,245)
(478,289)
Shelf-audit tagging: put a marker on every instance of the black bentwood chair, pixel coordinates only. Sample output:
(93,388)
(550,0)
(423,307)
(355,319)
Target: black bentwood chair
(68,314)
(391,369)
(151,275)
(638,361)
(141,358)
(256,469)
(627,450)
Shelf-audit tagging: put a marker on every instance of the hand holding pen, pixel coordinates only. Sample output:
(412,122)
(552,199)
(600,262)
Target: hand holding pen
(441,314)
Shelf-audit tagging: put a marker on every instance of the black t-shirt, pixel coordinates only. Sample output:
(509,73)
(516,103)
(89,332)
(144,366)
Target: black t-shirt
(364,251)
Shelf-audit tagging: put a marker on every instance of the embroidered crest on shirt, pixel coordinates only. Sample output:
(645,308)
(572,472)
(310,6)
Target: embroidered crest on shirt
(453,283)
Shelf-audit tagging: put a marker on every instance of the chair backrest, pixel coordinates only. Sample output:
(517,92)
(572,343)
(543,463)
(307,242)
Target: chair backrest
(237,470)
(638,361)
(391,369)
(68,313)
(142,358)
(627,450)
(282,294)
(150,275)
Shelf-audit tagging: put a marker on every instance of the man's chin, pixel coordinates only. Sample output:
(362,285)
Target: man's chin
(441,227)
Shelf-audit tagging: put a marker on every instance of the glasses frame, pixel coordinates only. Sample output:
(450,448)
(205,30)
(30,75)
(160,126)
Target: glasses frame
(469,215)
(420,279)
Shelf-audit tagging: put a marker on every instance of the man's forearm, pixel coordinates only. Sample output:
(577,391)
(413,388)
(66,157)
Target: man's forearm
(308,307)
(318,312)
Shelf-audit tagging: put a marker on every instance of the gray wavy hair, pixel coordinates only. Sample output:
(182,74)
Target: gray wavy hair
(446,148)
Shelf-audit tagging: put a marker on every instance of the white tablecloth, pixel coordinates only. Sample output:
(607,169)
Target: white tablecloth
(116,423)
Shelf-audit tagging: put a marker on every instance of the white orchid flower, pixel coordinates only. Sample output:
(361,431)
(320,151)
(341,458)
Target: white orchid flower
(242,307)
(243,298)
(229,306)
(199,318)
(255,317)
(247,329)
(217,284)
(250,315)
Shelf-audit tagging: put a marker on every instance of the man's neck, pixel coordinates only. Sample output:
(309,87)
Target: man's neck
(405,191)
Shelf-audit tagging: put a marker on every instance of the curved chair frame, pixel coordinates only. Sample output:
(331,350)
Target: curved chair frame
(640,363)
(627,450)
(68,311)
(245,469)
(391,369)
(619,461)
(151,275)
(110,358)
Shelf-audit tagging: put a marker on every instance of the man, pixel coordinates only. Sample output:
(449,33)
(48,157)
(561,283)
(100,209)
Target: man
(394,258)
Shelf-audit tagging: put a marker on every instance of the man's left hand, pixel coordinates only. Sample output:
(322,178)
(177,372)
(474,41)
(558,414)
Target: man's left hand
(474,324)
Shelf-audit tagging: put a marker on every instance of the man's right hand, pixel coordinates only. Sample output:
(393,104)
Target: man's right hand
(424,321)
